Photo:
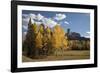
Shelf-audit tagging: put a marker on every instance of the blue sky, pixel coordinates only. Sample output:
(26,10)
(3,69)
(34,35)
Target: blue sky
(77,22)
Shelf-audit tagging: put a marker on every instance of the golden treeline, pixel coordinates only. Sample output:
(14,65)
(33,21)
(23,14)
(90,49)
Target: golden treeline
(44,40)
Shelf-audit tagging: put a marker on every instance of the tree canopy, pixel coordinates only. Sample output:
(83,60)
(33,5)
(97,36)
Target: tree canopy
(39,37)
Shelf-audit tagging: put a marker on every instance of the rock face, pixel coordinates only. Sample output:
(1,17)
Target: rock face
(74,36)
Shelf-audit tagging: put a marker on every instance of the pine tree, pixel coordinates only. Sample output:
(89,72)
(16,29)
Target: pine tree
(29,42)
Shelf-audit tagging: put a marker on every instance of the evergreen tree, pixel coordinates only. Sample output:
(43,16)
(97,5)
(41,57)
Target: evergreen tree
(29,42)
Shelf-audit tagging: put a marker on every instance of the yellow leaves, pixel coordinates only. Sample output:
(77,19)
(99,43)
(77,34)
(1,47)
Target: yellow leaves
(58,30)
(34,28)
(48,33)
(38,40)
(48,30)
(58,38)
(40,37)
(64,43)
(41,29)
(54,41)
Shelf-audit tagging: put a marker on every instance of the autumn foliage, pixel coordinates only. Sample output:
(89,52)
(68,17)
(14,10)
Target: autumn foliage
(41,40)
(58,40)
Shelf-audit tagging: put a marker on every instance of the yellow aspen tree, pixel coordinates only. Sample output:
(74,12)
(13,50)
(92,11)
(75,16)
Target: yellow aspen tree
(38,40)
(58,38)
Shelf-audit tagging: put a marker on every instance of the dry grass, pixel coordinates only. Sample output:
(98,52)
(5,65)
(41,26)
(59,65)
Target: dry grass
(67,55)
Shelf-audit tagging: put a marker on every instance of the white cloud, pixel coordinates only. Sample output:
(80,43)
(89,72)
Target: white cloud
(25,27)
(25,15)
(49,22)
(66,22)
(25,33)
(87,36)
(38,23)
(25,23)
(88,32)
(39,17)
(25,19)
(33,16)
(60,16)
